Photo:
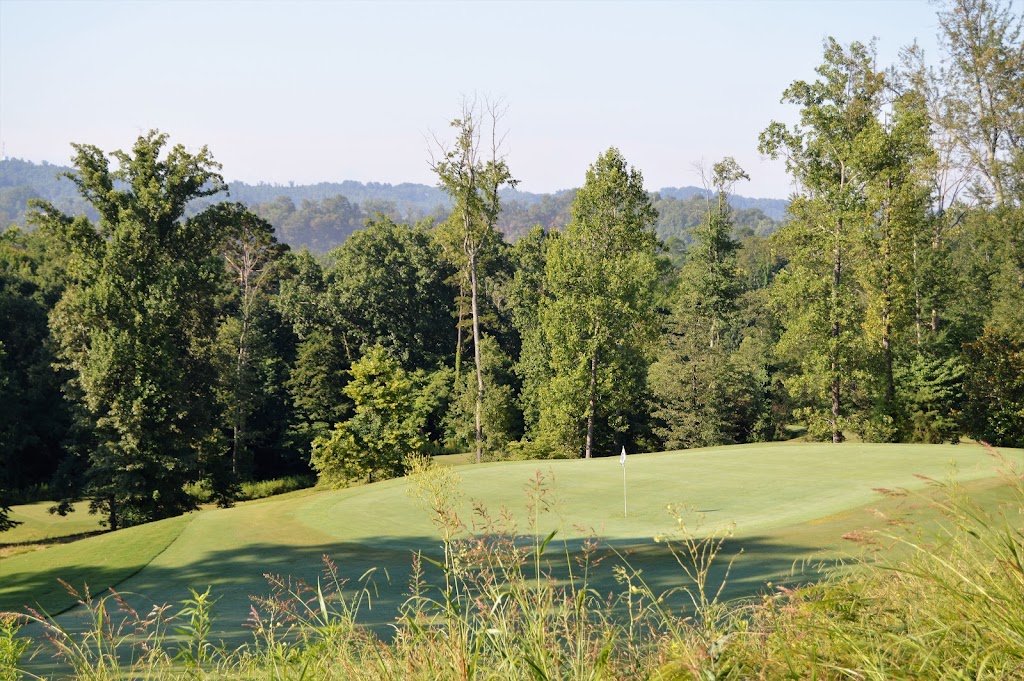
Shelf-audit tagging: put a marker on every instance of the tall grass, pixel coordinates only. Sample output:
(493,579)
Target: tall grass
(948,603)
(503,602)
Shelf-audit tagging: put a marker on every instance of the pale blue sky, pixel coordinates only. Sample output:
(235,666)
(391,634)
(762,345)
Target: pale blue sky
(330,91)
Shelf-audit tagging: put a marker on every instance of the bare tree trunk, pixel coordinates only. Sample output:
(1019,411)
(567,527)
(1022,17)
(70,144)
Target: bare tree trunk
(917,297)
(458,334)
(113,521)
(477,358)
(588,450)
(890,382)
(238,419)
(837,269)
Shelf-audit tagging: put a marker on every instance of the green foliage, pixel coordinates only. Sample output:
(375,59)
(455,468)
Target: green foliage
(994,389)
(705,392)
(12,647)
(316,385)
(317,224)
(392,284)
(597,314)
(317,374)
(34,418)
(501,419)
(249,364)
(383,431)
(5,510)
(833,156)
(525,292)
(136,326)
(931,389)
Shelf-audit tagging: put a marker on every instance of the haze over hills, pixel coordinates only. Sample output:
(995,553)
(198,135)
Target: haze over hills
(320,216)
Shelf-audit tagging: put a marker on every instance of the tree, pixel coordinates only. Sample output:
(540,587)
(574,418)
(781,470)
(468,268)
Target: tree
(34,417)
(597,313)
(502,420)
(980,109)
(982,106)
(699,389)
(5,510)
(831,155)
(897,163)
(525,292)
(136,325)
(317,377)
(383,431)
(994,389)
(471,172)
(391,282)
(249,250)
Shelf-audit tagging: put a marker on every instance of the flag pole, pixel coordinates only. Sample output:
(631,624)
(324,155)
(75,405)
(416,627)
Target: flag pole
(622,462)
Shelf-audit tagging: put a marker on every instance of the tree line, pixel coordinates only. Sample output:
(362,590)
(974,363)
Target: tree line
(320,217)
(153,350)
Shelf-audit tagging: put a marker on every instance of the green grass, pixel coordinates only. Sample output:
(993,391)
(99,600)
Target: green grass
(31,579)
(790,503)
(40,526)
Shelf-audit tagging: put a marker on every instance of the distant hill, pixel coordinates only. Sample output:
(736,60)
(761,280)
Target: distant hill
(773,208)
(321,216)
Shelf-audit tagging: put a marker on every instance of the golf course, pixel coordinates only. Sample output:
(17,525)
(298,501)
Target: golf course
(790,506)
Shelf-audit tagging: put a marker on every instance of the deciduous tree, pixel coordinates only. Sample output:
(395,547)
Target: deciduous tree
(597,313)
(136,325)
(831,155)
(471,171)
(383,431)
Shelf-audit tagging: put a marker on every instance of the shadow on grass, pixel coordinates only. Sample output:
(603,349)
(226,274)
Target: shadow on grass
(50,541)
(235,575)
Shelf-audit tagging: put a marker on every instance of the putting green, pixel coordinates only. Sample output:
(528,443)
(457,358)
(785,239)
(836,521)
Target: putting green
(787,501)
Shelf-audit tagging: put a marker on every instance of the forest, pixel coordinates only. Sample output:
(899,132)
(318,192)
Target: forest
(160,345)
(320,217)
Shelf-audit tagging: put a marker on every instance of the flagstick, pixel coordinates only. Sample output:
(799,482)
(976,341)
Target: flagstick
(625,513)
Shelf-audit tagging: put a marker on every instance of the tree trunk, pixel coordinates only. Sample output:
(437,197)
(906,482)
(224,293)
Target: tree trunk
(837,269)
(112,519)
(917,298)
(458,335)
(890,383)
(588,450)
(239,411)
(477,359)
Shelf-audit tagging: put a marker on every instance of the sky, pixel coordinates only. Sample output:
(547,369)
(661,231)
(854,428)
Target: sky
(327,91)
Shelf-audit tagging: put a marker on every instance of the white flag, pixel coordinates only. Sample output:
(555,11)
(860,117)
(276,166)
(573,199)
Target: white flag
(622,457)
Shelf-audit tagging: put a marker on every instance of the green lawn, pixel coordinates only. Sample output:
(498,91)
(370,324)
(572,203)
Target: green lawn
(789,503)
(101,561)
(40,526)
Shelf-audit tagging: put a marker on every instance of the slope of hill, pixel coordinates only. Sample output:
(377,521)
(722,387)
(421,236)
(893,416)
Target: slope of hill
(788,502)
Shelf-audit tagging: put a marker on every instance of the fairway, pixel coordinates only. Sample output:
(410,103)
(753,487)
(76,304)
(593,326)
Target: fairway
(789,503)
